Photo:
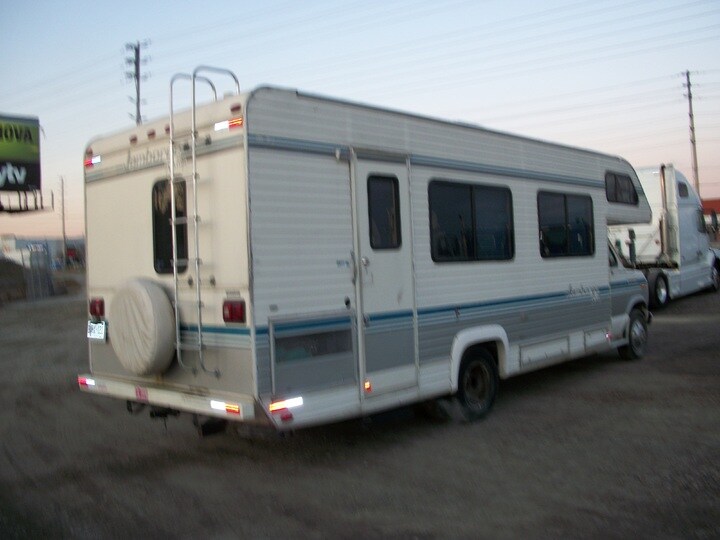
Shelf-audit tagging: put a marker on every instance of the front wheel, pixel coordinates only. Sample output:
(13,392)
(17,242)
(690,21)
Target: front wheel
(715,276)
(660,294)
(637,337)
(477,384)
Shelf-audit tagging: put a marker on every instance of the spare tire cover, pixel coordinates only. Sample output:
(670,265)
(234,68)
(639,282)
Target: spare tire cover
(142,327)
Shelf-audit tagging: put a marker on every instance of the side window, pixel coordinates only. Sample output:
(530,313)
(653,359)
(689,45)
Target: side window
(493,223)
(162,227)
(612,260)
(683,190)
(470,222)
(451,230)
(384,212)
(701,222)
(620,189)
(566,225)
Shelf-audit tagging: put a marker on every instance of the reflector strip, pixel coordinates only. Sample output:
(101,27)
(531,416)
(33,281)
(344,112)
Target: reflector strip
(93,161)
(285,404)
(232,408)
(229,124)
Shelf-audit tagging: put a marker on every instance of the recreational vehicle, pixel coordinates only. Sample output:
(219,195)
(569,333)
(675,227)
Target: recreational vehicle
(286,259)
(674,249)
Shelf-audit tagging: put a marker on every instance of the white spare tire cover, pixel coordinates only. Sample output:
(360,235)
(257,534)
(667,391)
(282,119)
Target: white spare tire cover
(142,327)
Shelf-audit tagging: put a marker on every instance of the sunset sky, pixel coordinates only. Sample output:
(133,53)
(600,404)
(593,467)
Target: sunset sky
(601,75)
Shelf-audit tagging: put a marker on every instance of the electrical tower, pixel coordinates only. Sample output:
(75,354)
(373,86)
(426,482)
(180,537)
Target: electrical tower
(135,62)
(693,146)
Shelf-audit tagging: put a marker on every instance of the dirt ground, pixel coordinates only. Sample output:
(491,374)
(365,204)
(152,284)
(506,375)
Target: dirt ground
(597,448)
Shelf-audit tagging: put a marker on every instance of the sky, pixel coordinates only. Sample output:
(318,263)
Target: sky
(605,75)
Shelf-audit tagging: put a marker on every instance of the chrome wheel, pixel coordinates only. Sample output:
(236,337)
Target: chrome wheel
(638,336)
(661,291)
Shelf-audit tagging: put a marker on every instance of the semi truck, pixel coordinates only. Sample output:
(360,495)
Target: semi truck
(673,250)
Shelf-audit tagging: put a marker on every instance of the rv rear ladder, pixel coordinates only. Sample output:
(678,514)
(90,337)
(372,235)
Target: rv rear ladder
(199,345)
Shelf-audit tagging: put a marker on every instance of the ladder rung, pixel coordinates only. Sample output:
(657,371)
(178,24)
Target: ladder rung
(184,220)
(191,260)
(192,347)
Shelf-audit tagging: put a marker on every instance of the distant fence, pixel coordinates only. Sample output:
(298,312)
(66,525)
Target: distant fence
(26,274)
(38,272)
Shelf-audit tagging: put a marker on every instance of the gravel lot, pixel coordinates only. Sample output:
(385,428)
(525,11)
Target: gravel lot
(597,448)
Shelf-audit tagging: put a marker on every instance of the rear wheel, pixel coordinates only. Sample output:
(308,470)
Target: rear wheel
(660,295)
(637,337)
(477,384)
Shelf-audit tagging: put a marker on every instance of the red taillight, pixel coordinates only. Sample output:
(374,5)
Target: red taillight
(85,382)
(234,311)
(91,161)
(97,307)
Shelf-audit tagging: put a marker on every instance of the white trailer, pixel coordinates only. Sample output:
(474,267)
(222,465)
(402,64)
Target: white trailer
(674,249)
(288,259)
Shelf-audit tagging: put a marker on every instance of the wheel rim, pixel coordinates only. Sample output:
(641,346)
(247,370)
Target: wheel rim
(661,292)
(638,336)
(476,387)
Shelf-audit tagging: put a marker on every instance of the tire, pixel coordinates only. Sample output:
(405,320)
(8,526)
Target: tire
(660,294)
(715,286)
(637,337)
(477,384)
(142,327)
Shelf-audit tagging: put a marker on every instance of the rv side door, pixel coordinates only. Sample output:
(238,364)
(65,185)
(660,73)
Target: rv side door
(386,336)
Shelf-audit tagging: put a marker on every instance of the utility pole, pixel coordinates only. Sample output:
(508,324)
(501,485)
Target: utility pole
(62,213)
(134,61)
(693,146)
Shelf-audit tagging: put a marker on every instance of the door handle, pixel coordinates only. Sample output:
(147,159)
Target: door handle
(354,267)
(365,262)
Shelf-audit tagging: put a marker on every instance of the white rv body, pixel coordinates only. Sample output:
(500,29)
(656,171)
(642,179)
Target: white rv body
(674,248)
(336,317)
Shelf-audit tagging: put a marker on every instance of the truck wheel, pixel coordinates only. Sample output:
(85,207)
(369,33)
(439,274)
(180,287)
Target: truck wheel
(637,337)
(477,384)
(659,295)
(716,277)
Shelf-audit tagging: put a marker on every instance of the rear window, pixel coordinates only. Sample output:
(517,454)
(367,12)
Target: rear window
(620,189)
(162,227)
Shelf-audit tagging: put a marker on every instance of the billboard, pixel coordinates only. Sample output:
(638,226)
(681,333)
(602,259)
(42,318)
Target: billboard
(19,153)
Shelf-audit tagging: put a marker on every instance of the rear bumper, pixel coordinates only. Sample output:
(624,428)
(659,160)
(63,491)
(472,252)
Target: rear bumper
(224,405)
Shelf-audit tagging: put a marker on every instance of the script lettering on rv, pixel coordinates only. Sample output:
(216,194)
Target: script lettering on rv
(19,154)
(151,158)
(584,290)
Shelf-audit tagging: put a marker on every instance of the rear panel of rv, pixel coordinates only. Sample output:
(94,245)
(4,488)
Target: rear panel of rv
(125,200)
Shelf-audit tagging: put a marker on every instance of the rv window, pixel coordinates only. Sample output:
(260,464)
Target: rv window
(162,228)
(470,222)
(683,190)
(384,212)
(566,225)
(620,189)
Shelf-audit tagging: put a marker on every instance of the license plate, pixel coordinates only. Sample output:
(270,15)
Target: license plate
(97,330)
